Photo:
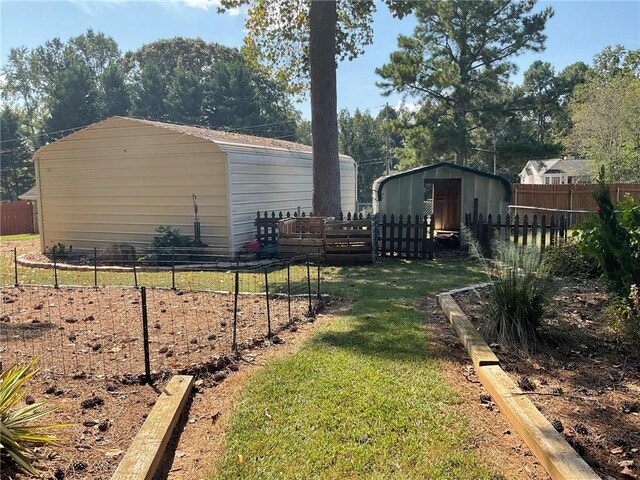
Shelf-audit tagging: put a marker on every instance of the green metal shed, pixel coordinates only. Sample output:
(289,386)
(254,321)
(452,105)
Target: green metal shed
(444,189)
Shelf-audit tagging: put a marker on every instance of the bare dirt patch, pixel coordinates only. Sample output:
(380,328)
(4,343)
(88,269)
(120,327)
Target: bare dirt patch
(584,382)
(89,342)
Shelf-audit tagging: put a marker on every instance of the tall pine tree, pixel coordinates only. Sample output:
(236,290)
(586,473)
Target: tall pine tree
(73,101)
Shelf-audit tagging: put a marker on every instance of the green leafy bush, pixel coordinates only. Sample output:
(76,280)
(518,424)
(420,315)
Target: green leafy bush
(612,237)
(623,316)
(567,259)
(17,428)
(168,239)
(168,236)
(519,292)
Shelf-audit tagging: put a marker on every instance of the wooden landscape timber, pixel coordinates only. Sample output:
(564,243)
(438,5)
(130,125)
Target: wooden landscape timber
(553,452)
(143,457)
(478,350)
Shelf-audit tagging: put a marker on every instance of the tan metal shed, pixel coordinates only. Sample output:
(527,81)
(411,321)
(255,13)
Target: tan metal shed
(116,181)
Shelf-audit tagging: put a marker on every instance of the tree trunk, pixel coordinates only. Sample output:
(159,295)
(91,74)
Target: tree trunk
(324,108)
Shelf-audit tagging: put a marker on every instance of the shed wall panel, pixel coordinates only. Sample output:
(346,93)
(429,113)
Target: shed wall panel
(272,180)
(404,194)
(119,180)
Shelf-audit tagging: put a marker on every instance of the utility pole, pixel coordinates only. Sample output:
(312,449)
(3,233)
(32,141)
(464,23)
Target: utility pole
(494,156)
(386,118)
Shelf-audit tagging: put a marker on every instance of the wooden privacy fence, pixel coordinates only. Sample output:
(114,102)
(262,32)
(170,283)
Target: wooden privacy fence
(410,237)
(17,217)
(565,197)
(542,231)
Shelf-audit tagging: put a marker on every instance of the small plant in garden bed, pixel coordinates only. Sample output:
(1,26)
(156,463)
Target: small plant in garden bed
(567,259)
(17,427)
(519,292)
(166,240)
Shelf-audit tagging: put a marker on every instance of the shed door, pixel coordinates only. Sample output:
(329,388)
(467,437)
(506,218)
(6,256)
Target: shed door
(447,194)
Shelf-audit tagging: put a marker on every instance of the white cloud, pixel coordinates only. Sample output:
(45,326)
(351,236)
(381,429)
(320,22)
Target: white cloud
(411,107)
(94,7)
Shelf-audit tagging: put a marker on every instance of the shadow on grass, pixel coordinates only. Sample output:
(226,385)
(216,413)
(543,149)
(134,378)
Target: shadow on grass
(385,320)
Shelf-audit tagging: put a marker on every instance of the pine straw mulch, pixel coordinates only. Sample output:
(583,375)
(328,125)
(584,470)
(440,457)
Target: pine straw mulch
(583,380)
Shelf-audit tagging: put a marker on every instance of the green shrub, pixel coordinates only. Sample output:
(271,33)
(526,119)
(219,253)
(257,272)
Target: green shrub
(567,259)
(168,239)
(17,429)
(612,237)
(623,316)
(519,292)
(168,236)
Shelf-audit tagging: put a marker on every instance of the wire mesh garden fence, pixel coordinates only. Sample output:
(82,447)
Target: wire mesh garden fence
(139,332)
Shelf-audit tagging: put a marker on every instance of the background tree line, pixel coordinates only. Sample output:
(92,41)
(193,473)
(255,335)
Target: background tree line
(51,90)
(456,69)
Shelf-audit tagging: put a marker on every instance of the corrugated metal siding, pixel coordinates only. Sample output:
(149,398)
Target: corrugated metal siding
(404,194)
(275,180)
(119,180)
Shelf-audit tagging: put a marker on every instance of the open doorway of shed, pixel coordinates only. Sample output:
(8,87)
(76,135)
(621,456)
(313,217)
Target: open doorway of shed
(444,195)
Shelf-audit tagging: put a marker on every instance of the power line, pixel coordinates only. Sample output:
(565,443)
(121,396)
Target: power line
(223,129)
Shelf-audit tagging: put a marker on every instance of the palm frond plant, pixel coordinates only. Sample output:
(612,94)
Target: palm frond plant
(19,426)
(519,292)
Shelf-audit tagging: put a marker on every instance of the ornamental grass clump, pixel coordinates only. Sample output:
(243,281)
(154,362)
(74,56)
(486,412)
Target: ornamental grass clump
(19,426)
(520,290)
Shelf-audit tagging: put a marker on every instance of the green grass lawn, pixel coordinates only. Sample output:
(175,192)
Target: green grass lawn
(221,280)
(362,398)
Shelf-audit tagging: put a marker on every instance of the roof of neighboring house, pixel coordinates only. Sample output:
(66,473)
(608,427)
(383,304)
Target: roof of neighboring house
(31,194)
(378,184)
(577,167)
(216,136)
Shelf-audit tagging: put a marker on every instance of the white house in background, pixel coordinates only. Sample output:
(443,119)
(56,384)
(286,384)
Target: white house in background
(118,180)
(556,171)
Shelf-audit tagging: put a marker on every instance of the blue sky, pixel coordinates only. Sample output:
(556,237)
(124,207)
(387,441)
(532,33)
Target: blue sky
(578,30)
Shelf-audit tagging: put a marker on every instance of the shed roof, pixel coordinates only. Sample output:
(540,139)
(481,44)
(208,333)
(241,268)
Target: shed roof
(379,183)
(219,137)
(575,167)
(31,194)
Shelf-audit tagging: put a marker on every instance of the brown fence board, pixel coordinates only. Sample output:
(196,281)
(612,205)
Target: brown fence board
(16,218)
(567,197)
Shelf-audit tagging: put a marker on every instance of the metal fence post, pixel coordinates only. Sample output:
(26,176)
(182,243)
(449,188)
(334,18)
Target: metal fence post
(234,344)
(145,335)
(309,285)
(318,283)
(55,267)
(266,286)
(95,267)
(133,261)
(15,266)
(289,289)
(173,269)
